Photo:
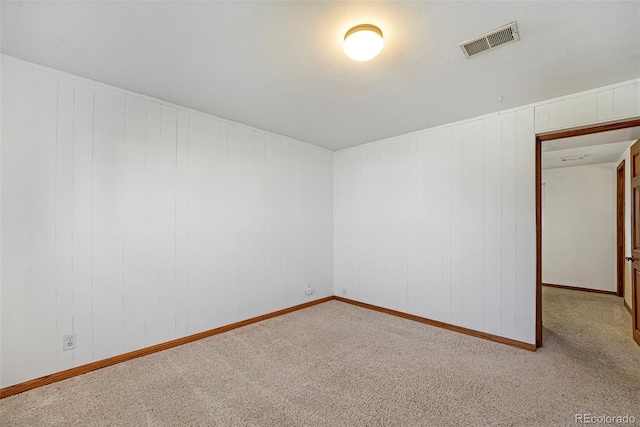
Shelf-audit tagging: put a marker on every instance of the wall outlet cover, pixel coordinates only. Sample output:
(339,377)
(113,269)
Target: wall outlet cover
(68,342)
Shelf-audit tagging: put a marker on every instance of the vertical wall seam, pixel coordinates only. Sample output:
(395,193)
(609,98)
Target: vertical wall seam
(389,207)
(55,215)
(515,226)
(226,199)
(462,225)
(175,233)
(451,226)
(264,222)
(501,218)
(252,221)
(73,156)
(441,195)
(124,177)
(359,218)
(30,292)
(415,247)
(156,312)
(93,120)
(187,218)
(408,158)
(144,211)
(484,217)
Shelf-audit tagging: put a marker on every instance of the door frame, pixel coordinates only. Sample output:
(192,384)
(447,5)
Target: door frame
(620,225)
(548,136)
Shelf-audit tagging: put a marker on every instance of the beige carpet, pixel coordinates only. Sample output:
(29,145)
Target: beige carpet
(339,365)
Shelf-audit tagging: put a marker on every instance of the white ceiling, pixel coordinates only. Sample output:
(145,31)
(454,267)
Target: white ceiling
(595,148)
(627,134)
(279,66)
(591,155)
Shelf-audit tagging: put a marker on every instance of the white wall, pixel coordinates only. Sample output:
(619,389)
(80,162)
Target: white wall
(579,228)
(441,223)
(133,222)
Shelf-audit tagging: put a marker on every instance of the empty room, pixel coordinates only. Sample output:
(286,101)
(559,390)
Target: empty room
(298,213)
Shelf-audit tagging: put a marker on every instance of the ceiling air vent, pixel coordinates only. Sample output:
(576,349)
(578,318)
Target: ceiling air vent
(571,158)
(490,40)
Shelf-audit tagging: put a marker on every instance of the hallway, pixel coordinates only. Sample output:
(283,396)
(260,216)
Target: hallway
(592,332)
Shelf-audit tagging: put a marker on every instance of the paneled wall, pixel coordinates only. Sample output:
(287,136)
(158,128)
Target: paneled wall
(596,106)
(441,223)
(133,222)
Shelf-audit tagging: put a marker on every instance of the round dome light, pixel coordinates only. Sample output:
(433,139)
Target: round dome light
(363,42)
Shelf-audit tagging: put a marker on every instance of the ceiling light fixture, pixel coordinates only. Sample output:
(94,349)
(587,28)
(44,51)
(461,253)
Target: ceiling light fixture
(363,42)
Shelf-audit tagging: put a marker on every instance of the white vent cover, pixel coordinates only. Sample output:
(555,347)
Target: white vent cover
(491,40)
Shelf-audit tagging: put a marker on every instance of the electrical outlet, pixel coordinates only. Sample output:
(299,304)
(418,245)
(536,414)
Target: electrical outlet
(69,341)
(309,290)
(344,290)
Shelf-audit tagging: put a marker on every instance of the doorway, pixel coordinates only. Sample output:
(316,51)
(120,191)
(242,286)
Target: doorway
(540,139)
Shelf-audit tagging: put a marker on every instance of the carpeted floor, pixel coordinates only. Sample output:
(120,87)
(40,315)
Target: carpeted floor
(335,364)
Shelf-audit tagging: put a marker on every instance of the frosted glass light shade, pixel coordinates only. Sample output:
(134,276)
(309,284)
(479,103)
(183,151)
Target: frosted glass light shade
(363,42)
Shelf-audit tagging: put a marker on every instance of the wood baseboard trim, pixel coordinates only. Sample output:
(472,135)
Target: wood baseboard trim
(460,329)
(628,307)
(79,370)
(575,288)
